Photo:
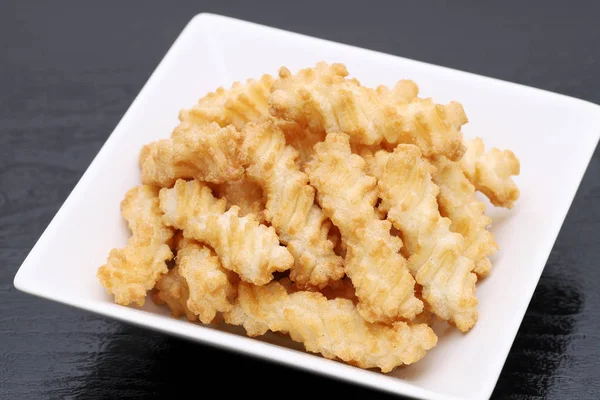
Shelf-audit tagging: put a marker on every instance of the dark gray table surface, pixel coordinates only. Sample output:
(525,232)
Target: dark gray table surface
(70,69)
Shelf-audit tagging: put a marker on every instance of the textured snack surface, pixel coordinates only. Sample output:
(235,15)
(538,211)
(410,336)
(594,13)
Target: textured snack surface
(133,270)
(244,193)
(333,328)
(384,285)
(172,290)
(208,152)
(409,197)
(310,205)
(457,201)
(323,99)
(209,288)
(491,172)
(242,103)
(244,246)
(290,207)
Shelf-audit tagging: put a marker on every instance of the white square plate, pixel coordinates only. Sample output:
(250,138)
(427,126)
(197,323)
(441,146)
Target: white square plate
(554,136)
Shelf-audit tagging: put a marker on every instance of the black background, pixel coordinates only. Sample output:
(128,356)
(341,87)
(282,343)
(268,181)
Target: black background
(70,69)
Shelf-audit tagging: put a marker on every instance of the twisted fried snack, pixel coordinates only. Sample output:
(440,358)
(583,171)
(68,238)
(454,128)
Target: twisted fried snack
(321,99)
(209,288)
(290,208)
(242,103)
(244,246)
(133,270)
(491,173)
(333,328)
(408,195)
(208,152)
(172,290)
(384,285)
(457,201)
(303,139)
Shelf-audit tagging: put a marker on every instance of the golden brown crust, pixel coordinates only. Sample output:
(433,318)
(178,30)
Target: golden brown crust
(133,270)
(290,208)
(322,99)
(384,286)
(244,246)
(209,153)
(242,103)
(210,291)
(333,328)
(246,194)
(343,289)
(302,139)
(172,290)
(409,197)
(395,239)
(491,172)
(457,201)
(404,91)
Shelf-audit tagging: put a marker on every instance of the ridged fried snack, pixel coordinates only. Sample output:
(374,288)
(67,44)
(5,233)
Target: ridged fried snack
(491,172)
(290,208)
(133,270)
(242,103)
(408,195)
(333,328)
(210,291)
(303,139)
(404,91)
(243,245)
(457,201)
(206,152)
(172,289)
(384,285)
(310,205)
(322,99)
(197,286)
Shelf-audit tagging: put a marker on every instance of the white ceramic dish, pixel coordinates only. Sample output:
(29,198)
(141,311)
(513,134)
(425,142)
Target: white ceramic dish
(554,136)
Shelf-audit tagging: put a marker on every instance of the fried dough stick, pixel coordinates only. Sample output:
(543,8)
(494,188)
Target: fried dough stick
(321,99)
(333,328)
(210,289)
(384,285)
(133,270)
(290,208)
(303,139)
(457,201)
(209,153)
(491,172)
(198,285)
(246,102)
(243,245)
(236,106)
(409,197)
